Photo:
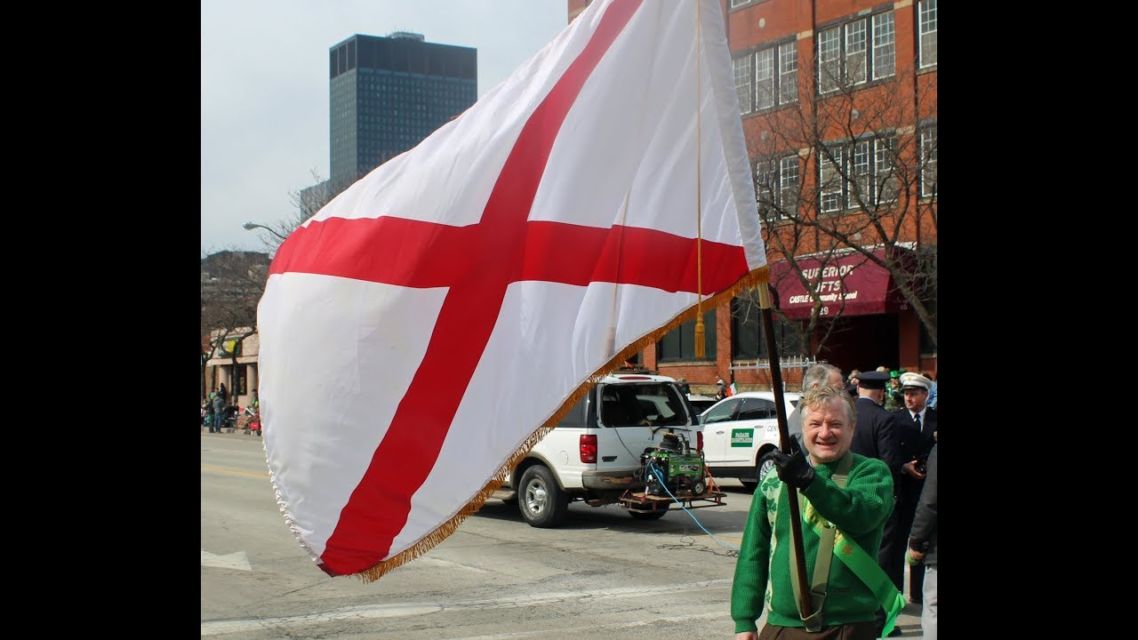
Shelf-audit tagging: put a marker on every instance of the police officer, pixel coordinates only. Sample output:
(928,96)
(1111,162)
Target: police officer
(877,435)
(918,423)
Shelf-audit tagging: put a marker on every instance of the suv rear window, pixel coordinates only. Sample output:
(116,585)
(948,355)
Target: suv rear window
(650,404)
(576,416)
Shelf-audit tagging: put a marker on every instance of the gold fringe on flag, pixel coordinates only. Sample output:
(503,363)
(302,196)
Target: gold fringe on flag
(758,277)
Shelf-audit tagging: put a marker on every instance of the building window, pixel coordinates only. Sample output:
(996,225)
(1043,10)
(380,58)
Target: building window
(767,77)
(844,57)
(858,173)
(855,52)
(766,186)
(739,3)
(884,171)
(829,60)
(746,331)
(788,182)
(829,178)
(747,339)
(764,79)
(679,343)
(928,162)
(240,381)
(743,82)
(883,45)
(927,33)
(787,73)
(776,186)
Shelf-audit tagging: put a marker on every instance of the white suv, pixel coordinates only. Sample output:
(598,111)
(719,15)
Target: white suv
(593,454)
(740,430)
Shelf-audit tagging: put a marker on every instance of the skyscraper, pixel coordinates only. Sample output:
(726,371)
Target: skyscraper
(389,93)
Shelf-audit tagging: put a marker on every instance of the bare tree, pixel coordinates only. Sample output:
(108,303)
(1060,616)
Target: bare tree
(306,202)
(851,171)
(232,282)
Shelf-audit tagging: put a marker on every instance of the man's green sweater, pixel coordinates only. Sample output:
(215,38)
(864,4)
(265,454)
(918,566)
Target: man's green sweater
(859,511)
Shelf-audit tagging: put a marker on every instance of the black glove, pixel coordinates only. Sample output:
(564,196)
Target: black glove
(793,469)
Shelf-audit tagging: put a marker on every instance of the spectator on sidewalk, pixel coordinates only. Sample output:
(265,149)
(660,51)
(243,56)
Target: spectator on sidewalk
(219,409)
(209,413)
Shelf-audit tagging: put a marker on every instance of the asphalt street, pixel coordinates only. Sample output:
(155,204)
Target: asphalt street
(602,575)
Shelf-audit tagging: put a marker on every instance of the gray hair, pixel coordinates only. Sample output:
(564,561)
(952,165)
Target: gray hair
(816,376)
(822,396)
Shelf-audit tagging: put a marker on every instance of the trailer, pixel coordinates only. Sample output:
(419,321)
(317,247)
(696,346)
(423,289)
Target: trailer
(672,472)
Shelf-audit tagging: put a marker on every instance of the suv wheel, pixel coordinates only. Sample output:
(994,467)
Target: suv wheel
(540,499)
(766,461)
(650,515)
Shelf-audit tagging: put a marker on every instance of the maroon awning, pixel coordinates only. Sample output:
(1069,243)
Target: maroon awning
(853,280)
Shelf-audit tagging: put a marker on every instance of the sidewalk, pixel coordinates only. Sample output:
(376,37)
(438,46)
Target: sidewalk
(909,621)
(205,431)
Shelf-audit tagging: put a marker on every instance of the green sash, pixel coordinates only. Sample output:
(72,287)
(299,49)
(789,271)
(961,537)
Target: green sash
(853,556)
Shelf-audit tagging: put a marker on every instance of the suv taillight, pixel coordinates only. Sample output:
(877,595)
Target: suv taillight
(589,448)
(699,441)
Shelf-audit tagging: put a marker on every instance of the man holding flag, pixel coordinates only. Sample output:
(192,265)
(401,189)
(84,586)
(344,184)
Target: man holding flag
(845,499)
(597,198)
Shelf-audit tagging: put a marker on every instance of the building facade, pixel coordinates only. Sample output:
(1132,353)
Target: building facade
(232,361)
(232,283)
(389,93)
(838,102)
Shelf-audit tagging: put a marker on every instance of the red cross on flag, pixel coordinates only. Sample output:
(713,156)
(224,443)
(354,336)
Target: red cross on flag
(423,330)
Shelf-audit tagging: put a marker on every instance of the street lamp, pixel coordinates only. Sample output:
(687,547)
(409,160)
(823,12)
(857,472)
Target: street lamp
(249,226)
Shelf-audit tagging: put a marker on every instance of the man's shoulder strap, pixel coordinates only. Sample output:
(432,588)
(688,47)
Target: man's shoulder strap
(860,563)
(826,534)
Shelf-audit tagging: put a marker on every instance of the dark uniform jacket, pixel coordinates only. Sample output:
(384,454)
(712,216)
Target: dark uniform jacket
(914,444)
(877,436)
(925,522)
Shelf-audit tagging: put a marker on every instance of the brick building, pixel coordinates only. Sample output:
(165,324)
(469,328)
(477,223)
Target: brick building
(838,101)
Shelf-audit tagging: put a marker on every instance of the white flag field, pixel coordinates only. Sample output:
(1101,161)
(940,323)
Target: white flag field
(423,330)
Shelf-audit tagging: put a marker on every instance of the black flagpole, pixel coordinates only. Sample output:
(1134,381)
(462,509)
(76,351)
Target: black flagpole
(784,443)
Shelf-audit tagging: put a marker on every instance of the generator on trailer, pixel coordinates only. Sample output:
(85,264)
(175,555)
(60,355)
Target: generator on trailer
(673,468)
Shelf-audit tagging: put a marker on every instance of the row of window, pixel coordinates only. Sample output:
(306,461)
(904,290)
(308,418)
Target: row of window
(845,58)
(747,341)
(767,77)
(870,177)
(417,87)
(859,51)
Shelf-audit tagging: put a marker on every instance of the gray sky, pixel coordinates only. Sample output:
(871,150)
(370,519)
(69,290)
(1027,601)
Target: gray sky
(264,92)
